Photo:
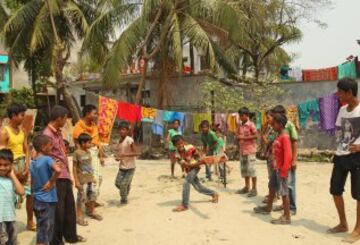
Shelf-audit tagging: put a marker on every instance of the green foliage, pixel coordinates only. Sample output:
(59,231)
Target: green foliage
(23,96)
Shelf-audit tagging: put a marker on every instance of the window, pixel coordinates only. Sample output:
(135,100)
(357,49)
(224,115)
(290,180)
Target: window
(2,72)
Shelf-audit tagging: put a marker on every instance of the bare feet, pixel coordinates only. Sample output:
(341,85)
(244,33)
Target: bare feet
(215,198)
(352,238)
(338,229)
(31,226)
(180,208)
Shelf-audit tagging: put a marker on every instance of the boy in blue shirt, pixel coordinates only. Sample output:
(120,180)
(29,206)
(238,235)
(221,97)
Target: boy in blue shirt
(9,186)
(44,172)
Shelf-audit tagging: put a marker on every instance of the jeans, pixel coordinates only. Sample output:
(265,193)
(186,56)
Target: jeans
(8,233)
(192,179)
(45,219)
(292,189)
(123,182)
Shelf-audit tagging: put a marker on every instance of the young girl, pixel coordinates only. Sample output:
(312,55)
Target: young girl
(282,156)
(126,154)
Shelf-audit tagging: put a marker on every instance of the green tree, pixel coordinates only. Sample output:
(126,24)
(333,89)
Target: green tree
(43,32)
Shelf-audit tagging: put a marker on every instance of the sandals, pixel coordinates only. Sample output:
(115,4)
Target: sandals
(278,208)
(281,221)
(243,191)
(252,193)
(180,208)
(262,210)
(99,205)
(82,222)
(96,217)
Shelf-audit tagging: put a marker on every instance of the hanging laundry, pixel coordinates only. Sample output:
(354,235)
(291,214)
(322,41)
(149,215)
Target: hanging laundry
(329,108)
(67,132)
(325,74)
(296,74)
(284,72)
(158,125)
(108,109)
(233,122)
(221,122)
(258,120)
(347,69)
(168,116)
(181,117)
(129,112)
(148,114)
(293,115)
(309,109)
(198,118)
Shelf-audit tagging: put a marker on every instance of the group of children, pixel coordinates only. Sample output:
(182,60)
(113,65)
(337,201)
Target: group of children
(47,174)
(279,138)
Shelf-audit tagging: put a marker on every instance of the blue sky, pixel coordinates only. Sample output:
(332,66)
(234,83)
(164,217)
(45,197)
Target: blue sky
(331,46)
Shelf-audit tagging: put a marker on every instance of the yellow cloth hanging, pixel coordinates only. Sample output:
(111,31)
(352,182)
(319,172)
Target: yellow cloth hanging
(293,116)
(198,118)
(232,122)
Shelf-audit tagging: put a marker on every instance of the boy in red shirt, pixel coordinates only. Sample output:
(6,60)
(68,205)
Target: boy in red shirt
(282,156)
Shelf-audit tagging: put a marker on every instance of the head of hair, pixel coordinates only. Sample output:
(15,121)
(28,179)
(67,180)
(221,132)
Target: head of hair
(205,123)
(39,141)
(83,138)
(124,124)
(218,129)
(244,111)
(6,154)
(279,109)
(176,120)
(281,119)
(14,109)
(88,109)
(58,111)
(347,84)
(176,139)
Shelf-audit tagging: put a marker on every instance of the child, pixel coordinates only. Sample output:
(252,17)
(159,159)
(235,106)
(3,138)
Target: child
(44,172)
(210,142)
(84,180)
(9,185)
(188,157)
(282,156)
(172,150)
(247,135)
(221,152)
(126,154)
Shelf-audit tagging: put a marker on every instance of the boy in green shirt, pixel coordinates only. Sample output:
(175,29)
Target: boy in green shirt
(172,150)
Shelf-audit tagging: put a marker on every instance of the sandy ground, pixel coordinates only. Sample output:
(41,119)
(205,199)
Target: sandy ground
(148,219)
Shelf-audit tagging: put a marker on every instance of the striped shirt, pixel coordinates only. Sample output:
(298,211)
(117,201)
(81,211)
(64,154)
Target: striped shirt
(7,200)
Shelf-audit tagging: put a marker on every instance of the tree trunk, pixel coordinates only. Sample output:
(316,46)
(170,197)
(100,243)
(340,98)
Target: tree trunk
(142,83)
(192,59)
(33,81)
(163,80)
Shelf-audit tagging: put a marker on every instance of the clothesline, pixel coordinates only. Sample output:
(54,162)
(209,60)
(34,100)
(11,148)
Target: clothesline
(322,110)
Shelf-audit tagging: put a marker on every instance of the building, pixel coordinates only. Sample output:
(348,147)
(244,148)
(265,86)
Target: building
(5,72)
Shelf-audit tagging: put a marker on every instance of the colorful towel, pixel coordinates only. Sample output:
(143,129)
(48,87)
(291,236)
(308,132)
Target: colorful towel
(309,109)
(329,108)
(148,114)
(108,110)
(158,125)
(347,69)
(221,122)
(198,118)
(233,120)
(168,116)
(129,112)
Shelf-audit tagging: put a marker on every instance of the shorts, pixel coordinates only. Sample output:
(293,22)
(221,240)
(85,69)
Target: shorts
(8,233)
(278,183)
(19,166)
(45,220)
(86,194)
(343,165)
(247,166)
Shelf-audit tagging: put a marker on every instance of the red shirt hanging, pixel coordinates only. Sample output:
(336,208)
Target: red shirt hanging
(129,112)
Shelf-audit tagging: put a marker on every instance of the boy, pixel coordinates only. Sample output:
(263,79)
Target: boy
(210,142)
(346,160)
(291,130)
(282,156)
(9,185)
(172,150)
(84,180)
(14,138)
(44,172)
(188,157)
(221,152)
(247,135)
(126,154)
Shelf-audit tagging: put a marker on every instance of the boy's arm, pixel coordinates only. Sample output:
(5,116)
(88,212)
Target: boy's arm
(52,181)
(27,156)
(4,138)
(19,188)
(294,150)
(134,153)
(76,180)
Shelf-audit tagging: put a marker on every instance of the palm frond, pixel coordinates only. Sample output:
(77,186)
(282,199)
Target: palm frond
(77,17)
(41,29)
(176,42)
(3,16)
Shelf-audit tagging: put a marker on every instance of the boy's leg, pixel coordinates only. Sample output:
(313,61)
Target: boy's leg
(70,232)
(186,187)
(130,178)
(124,182)
(31,226)
(172,162)
(208,171)
(12,233)
(79,207)
(292,190)
(201,188)
(52,208)
(337,183)
(43,217)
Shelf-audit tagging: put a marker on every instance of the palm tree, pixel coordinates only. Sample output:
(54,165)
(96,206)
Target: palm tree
(47,30)
(158,35)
